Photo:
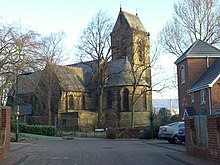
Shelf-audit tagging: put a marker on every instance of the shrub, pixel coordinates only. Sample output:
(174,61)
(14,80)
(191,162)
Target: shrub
(123,133)
(37,129)
(150,133)
(110,134)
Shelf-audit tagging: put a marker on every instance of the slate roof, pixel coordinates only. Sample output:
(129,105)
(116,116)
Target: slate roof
(87,70)
(199,49)
(207,78)
(70,78)
(120,73)
(190,111)
(133,21)
(28,83)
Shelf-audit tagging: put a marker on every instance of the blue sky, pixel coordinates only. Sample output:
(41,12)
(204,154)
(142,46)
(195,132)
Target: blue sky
(72,16)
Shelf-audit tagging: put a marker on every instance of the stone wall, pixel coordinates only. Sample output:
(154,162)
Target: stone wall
(4,132)
(200,143)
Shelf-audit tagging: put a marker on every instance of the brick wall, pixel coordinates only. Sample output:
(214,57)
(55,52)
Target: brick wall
(4,132)
(210,151)
(194,68)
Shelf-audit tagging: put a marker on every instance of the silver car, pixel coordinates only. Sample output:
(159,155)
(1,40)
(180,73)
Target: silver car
(169,132)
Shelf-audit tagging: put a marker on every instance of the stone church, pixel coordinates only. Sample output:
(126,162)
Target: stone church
(127,95)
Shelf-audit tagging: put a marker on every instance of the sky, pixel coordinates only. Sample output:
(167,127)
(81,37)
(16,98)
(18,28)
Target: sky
(72,16)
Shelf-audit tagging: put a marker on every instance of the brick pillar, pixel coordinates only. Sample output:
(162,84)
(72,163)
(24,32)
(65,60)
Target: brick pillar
(5,129)
(189,127)
(213,151)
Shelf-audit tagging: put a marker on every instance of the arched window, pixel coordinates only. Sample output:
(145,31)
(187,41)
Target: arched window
(83,102)
(118,100)
(96,101)
(109,100)
(126,100)
(141,50)
(71,106)
(182,74)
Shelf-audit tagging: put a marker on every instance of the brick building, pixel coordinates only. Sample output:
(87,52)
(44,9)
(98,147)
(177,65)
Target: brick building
(198,71)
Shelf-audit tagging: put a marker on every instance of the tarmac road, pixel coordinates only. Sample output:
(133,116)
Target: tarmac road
(80,151)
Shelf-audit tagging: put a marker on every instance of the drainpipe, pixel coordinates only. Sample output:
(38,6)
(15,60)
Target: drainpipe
(207,62)
(210,101)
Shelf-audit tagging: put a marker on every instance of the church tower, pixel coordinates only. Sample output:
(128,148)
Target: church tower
(129,38)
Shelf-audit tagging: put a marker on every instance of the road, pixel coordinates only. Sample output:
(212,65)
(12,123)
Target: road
(100,152)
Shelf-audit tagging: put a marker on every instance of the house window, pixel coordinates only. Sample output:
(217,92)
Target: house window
(126,100)
(192,98)
(109,100)
(203,96)
(71,102)
(182,74)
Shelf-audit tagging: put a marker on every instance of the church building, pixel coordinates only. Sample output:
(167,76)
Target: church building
(72,101)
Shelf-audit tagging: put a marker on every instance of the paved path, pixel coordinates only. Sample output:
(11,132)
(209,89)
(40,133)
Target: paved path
(99,152)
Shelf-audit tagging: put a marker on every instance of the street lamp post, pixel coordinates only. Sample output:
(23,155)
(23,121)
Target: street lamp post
(17,109)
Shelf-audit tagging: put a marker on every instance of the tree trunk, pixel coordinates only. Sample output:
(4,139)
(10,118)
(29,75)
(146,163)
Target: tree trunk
(100,95)
(49,107)
(132,116)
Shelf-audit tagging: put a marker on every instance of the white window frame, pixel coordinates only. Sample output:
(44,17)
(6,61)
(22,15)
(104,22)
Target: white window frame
(192,97)
(182,74)
(202,96)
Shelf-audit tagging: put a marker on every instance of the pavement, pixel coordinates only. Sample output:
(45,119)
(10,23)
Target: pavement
(180,155)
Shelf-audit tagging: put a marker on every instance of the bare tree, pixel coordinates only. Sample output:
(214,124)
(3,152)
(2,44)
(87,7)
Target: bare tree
(192,20)
(50,49)
(49,53)
(16,49)
(140,76)
(95,45)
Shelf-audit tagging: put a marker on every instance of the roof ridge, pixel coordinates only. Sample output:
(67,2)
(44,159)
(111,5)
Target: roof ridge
(129,13)
(199,49)
(133,21)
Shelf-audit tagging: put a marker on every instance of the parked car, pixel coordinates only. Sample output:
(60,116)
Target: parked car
(181,134)
(169,132)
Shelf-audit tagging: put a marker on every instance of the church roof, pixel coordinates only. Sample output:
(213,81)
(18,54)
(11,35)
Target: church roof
(130,20)
(199,49)
(88,68)
(133,21)
(208,78)
(28,83)
(70,78)
(120,74)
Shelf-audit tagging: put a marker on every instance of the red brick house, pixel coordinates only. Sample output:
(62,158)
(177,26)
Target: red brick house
(198,72)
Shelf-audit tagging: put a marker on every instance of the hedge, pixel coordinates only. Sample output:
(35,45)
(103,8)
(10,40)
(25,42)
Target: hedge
(37,129)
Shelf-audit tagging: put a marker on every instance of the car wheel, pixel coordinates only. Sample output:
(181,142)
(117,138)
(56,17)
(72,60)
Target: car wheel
(175,139)
(170,141)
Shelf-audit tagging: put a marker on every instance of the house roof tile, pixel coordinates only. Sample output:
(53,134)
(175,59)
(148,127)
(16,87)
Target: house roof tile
(199,49)
(207,78)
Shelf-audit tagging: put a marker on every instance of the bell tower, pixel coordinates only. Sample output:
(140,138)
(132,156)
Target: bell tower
(130,39)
